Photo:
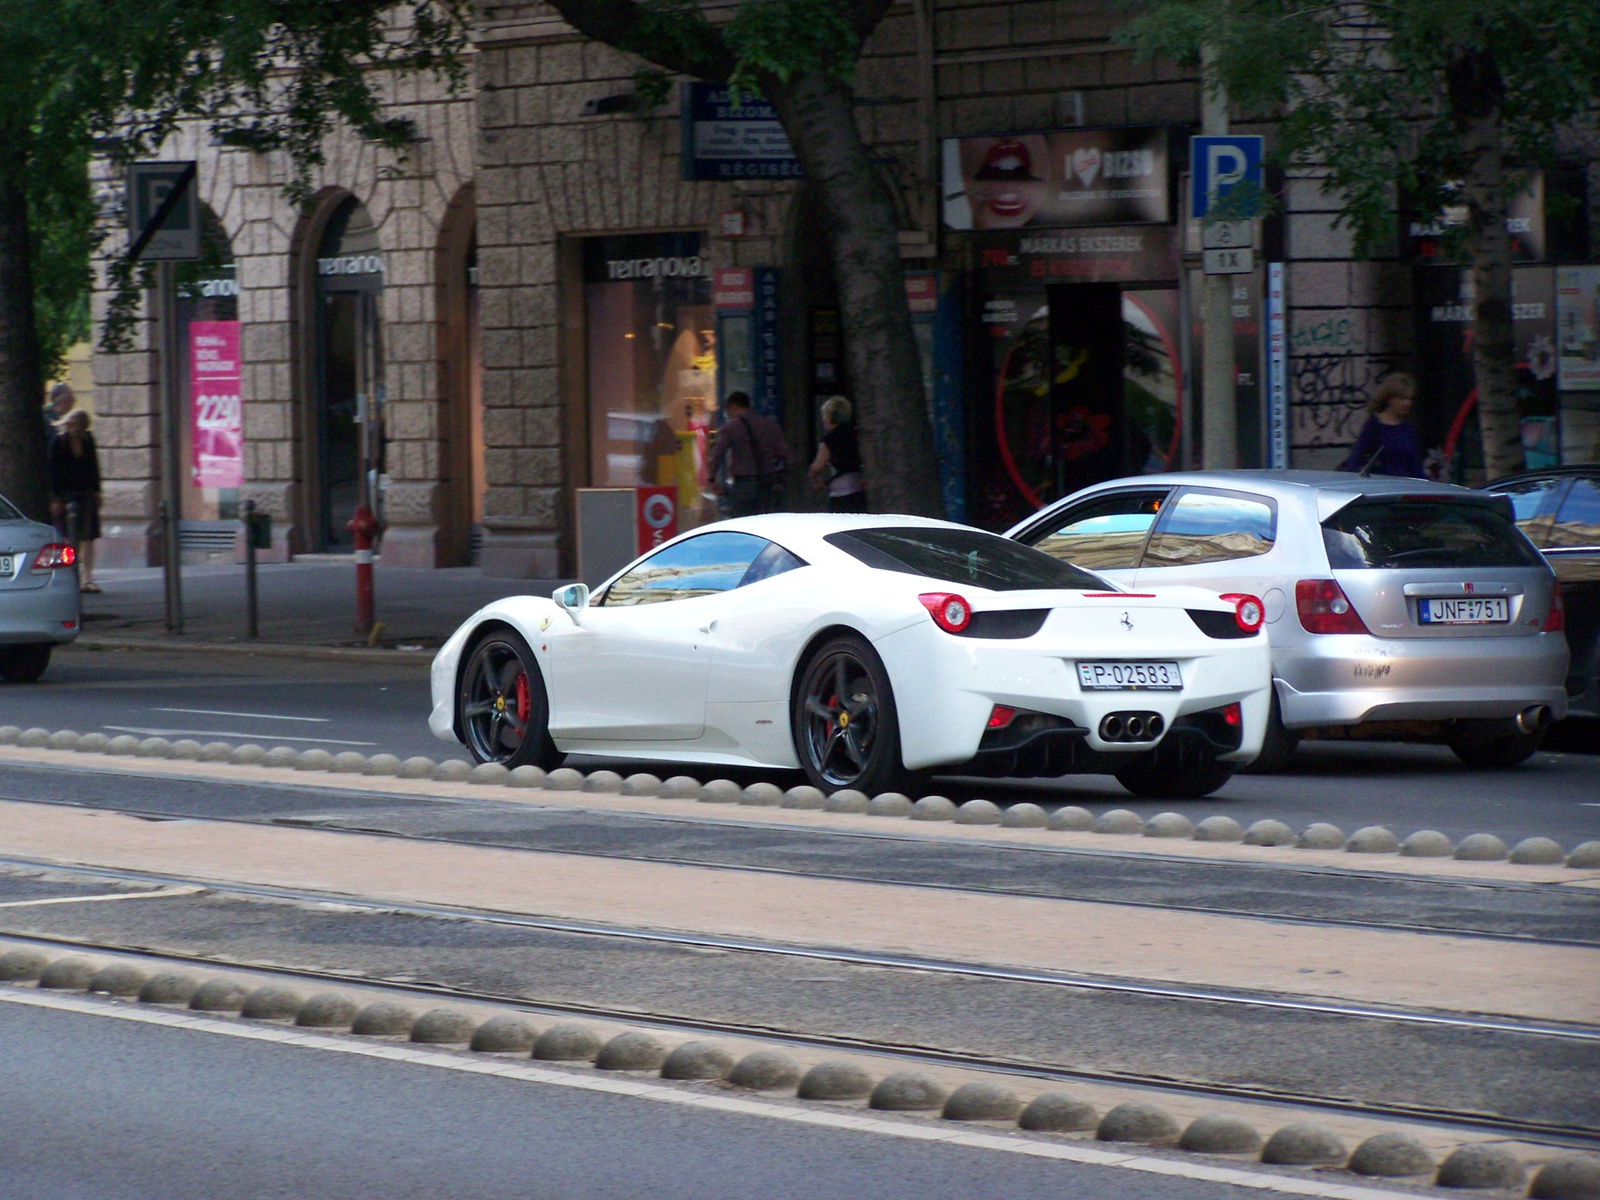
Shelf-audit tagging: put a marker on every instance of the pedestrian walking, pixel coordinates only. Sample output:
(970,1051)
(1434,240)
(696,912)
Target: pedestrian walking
(837,465)
(62,400)
(751,448)
(1388,444)
(75,491)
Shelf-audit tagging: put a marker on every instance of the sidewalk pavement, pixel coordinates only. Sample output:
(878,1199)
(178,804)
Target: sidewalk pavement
(301,604)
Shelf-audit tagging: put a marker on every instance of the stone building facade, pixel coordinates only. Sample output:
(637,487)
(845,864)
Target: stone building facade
(558,306)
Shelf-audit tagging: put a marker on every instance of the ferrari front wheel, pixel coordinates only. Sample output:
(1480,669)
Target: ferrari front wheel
(846,732)
(502,709)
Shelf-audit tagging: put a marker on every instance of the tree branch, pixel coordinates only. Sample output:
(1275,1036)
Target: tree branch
(670,35)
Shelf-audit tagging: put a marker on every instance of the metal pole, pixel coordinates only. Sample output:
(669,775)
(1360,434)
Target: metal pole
(1219,439)
(172,502)
(250,630)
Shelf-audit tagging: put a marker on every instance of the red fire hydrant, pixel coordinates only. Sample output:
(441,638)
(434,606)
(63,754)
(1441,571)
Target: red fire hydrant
(363,528)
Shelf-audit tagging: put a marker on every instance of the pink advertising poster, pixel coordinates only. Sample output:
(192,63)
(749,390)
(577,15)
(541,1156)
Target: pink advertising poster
(214,392)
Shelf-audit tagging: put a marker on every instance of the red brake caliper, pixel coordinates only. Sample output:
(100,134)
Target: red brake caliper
(524,698)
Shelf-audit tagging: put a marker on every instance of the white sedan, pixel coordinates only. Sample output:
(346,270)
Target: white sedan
(865,650)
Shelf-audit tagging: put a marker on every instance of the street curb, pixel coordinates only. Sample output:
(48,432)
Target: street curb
(360,654)
(1368,844)
(635,1053)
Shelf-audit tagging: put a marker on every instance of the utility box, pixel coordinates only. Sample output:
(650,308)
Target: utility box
(617,525)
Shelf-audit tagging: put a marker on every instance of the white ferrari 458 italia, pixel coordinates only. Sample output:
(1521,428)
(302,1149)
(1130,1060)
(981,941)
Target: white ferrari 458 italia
(864,650)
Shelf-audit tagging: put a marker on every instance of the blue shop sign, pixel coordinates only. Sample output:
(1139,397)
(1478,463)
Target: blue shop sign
(728,135)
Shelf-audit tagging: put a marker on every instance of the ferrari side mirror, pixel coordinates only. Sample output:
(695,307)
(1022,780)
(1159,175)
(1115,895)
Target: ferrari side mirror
(574,598)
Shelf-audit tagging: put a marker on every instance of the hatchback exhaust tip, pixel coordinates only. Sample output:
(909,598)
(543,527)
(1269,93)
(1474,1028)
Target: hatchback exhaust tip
(1533,719)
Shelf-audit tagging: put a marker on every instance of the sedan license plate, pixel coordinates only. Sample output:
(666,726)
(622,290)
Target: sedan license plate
(1116,676)
(1486,610)
(7,566)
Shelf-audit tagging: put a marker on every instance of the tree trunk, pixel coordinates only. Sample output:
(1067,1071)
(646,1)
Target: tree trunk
(1476,93)
(22,429)
(897,448)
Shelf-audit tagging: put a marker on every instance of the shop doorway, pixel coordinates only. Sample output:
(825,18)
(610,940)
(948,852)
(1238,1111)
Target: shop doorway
(1075,383)
(211,434)
(348,420)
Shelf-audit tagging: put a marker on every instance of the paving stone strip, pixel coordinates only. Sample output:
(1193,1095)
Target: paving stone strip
(1370,843)
(1314,1149)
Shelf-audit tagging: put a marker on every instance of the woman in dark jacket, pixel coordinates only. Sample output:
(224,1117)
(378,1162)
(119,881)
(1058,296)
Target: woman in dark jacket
(1388,445)
(838,462)
(75,480)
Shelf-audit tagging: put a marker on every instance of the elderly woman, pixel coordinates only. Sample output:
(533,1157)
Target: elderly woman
(75,481)
(838,461)
(1388,445)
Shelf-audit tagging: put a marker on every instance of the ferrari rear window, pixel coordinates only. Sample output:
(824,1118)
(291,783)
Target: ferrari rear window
(963,556)
(1399,533)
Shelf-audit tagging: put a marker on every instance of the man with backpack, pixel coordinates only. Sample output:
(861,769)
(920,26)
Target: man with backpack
(750,446)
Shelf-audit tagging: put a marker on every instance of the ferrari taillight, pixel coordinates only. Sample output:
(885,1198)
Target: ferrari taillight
(1324,608)
(1248,612)
(950,612)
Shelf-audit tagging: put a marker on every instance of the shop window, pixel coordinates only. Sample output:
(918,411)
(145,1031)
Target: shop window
(212,438)
(652,373)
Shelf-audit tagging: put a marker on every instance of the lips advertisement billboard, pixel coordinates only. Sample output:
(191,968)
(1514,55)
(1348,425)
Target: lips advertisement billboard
(1062,179)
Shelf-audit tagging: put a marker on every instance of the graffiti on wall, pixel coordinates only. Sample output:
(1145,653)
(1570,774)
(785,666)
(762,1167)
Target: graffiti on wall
(1329,393)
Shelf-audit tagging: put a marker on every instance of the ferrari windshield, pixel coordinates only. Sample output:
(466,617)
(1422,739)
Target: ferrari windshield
(964,556)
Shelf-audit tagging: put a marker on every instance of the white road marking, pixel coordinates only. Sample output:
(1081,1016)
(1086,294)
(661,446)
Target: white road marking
(232,733)
(949,1133)
(220,712)
(186,890)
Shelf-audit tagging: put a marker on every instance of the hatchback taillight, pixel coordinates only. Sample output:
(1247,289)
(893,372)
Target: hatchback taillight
(1324,608)
(53,557)
(1556,622)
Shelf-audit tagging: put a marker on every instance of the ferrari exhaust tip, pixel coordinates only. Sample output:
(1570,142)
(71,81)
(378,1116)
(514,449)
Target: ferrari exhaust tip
(1112,728)
(1135,728)
(1533,718)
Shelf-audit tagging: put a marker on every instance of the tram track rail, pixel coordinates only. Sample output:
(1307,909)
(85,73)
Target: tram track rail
(331,823)
(1555,1133)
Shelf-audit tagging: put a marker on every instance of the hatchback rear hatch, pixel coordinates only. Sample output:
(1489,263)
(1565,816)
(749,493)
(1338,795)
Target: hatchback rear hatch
(1439,565)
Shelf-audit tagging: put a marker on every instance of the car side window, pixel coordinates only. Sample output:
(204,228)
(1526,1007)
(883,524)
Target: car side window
(1204,527)
(774,560)
(1101,534)
(1578,521)
(698,566)
(1531,501)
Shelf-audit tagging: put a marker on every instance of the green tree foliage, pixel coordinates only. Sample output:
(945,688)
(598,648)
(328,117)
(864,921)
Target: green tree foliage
(1441,105)
(114,78)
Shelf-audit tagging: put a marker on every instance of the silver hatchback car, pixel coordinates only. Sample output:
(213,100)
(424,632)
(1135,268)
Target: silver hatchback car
(39,601)
(1396,608)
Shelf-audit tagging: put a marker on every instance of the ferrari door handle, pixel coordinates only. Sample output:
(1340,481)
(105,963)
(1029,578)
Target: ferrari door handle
(711,628)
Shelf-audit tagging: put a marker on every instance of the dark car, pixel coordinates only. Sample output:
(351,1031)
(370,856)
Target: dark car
(1559,510)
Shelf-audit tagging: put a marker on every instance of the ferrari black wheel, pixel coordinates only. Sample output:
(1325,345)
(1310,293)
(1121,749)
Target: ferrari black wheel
(846,732)
(502,709)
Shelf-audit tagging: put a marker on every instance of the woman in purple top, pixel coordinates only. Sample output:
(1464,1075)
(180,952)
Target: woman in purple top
(1388,445)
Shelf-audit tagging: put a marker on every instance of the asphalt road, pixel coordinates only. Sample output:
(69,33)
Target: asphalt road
(102,1108)
(377,707)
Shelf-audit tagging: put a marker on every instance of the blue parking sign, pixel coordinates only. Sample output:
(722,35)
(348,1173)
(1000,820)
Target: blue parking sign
(1218,165)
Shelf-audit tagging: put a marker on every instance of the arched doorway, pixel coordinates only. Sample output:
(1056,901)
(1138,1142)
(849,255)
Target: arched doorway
(347,413)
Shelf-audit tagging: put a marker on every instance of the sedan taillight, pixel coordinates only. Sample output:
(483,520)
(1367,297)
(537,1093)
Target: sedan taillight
(1324,608)
(1556,622)
(53,557)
